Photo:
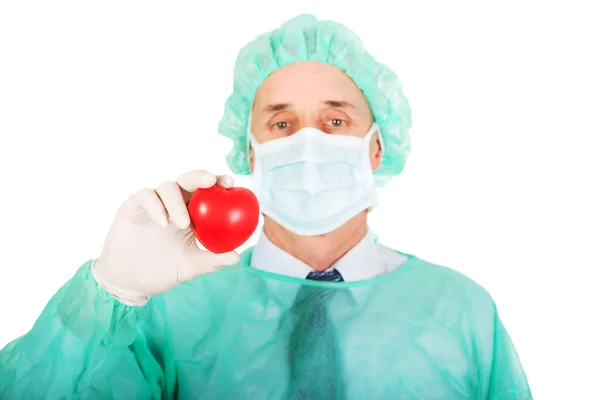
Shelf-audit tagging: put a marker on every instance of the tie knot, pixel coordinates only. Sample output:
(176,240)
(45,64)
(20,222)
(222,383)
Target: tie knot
(329,276)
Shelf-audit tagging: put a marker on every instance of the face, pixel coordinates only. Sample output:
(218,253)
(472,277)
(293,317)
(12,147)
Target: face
(311,94)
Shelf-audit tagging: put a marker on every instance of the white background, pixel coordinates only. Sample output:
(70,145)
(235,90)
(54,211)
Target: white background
(99,100)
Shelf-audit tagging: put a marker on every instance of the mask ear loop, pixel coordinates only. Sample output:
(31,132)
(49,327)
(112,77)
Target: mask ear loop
(250,140)
(375,130)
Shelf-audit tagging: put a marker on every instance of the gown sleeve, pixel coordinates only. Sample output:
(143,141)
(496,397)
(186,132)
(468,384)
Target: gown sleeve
(501,374)
(507,378)
(84,345)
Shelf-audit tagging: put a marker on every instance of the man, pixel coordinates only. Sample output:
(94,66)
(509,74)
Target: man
(316,309)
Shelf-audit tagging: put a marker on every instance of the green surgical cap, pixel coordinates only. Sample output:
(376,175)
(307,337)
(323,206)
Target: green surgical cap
(304,38)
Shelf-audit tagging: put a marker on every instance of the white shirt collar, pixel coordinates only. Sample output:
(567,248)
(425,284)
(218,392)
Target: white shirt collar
(360,263)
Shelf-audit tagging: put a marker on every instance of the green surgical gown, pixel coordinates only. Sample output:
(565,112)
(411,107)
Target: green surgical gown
(421,332)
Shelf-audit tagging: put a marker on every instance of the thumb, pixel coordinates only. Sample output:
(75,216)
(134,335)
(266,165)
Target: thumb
(203,262)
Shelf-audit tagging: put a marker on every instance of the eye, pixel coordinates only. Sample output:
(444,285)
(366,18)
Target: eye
(282,125)
(337,122)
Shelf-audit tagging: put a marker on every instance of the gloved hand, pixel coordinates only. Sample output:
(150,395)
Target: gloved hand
(150,248)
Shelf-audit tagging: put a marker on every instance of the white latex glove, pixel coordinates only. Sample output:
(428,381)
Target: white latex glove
(150,248)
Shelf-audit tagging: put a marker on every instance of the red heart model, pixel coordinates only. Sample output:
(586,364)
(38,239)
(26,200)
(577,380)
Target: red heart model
(223,219)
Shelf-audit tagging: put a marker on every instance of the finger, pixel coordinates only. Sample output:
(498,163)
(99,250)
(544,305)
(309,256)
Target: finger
(225,181)
(194,180)
(172,198)
(224,259)
(204,262)
(148,201)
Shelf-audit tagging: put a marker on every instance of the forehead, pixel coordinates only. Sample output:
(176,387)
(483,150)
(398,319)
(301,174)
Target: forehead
(308,82)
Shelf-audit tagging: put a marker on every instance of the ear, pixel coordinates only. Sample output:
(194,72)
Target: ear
(375,152)
(251,159)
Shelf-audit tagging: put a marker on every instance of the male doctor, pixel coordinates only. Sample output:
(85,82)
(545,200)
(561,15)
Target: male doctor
(317,309)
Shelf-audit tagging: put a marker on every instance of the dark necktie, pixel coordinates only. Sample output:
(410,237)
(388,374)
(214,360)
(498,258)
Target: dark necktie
(313,345)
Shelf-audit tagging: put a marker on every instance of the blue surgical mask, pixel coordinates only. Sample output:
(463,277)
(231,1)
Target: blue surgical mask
(312,182)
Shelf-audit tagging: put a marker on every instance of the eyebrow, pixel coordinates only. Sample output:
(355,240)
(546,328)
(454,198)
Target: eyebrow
(275,107)
(339,104)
